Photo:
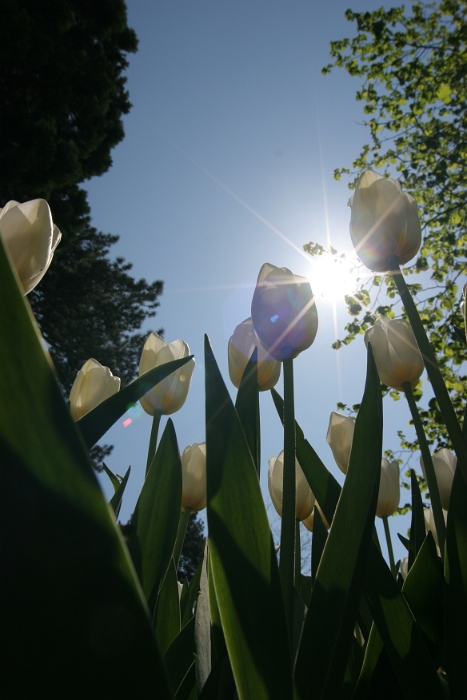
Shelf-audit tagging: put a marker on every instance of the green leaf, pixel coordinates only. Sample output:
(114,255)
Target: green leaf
(98,421)
(166,621)
(203,628)
(179,656)
(247,407)
(211,687)
(186,606)
(242,555)
(332,614)
(71,608)
(417,526)
(320,535)
(116,500)
(455,601)
(113,477)
(157,513)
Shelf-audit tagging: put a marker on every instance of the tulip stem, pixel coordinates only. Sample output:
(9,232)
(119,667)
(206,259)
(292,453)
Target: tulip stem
(298,554)
(459,442)
(181,532)
(429,469)
(387,532)
(287,560)
(153,439)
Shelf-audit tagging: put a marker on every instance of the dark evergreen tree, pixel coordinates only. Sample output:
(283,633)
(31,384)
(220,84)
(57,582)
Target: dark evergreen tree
(193,548)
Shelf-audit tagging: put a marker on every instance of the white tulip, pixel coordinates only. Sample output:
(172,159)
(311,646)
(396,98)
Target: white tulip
(430,524)
(305,499)
(170,394)
(389,489)
(31,237)
(339,437)
(283,312)
(94,384)
(396,352)
(310,521)
(241,346)
(404,567)
(194,477)
(384,221)
(444,465)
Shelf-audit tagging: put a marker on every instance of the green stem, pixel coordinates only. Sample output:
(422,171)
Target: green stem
(287,560)
(387,532)
(429,469)
(181,532)
(153,439)
(298,554)
(459,442)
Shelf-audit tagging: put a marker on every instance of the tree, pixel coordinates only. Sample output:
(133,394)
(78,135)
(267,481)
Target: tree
(414,92)
(193,548)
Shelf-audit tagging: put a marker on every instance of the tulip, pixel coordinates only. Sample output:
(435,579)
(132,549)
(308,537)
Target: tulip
(398,359)
(170,394)
(94,384)
(444,464)
(339,437)
(430,524)
(240,349)
(194,477)
(384,221)
(283,312)
(310,521)
(404,567)
(31,237)
(305,499)
(389,489)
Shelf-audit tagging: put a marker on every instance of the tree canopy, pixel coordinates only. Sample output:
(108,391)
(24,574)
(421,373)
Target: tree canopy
(413,68)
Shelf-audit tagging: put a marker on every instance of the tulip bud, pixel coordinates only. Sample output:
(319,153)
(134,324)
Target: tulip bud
(404,567)
(305,499)
(94,384)
(444,464)
(384,221)
(283,312)
(310,521)
(170,394)
(339,437)
(241,346)
(30,236)
(389,489)
(194,477)
(396,352)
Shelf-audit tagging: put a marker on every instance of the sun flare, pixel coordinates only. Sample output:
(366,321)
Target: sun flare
(332,277)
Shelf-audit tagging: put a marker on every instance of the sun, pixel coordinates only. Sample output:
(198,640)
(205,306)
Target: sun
(332,277)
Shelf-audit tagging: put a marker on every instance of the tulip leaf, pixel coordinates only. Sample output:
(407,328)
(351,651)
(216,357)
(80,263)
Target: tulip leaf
(335,598)
(180,656)
(71,608)
(155,521)
(417,525)
(116,500)
(455,601)
(186,606)
(166,620)
(242,556)
(115,481)
(211,687)
(247,407)
(97,422)
(203,628)
(320,535)
(403,639)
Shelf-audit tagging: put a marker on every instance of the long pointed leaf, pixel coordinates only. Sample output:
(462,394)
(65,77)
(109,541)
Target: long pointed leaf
(247,407)
(243,560)
(98,421)
(167,613)
(71,608)
(157,514)
(116,500)
(334,603)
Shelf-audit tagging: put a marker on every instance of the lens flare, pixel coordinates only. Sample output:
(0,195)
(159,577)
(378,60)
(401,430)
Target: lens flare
(127,422)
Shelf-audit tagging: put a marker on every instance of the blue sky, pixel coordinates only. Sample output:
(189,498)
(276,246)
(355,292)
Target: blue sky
(227,163)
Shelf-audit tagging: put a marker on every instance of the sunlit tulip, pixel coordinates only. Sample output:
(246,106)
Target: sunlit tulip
(170,394)
(396,352)
(283,312)
(194,477)
(430,524)
(305,499)
(241,346)
(404,567)
(94,384)
(339,437)
(444,464)
(389,489)
(384,221)
(310,521)
(30,236)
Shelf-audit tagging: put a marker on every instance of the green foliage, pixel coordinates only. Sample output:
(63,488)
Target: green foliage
(414,93)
